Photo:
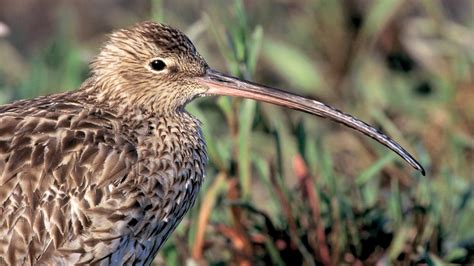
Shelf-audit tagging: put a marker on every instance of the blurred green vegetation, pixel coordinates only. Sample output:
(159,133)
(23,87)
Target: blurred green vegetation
(284,187)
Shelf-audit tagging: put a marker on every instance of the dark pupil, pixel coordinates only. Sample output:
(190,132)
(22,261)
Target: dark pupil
(157,65)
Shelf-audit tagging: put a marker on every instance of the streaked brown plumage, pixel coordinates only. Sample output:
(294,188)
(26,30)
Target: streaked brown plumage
(105,173)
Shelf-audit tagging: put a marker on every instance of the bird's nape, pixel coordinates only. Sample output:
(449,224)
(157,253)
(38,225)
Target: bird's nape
(221,84)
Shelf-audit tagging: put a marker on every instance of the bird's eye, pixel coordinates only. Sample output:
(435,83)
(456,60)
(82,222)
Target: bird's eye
(157,65)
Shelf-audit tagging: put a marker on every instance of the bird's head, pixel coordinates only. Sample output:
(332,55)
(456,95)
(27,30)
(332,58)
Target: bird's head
(157,67)
(150,64)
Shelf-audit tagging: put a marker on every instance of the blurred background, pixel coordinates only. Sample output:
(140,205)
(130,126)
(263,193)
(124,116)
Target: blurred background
(284,187)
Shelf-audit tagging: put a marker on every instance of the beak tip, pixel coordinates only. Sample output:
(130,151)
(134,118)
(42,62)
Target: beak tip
(422,170)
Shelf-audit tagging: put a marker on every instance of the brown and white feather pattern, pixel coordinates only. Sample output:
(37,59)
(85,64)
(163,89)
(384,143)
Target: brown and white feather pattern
(81,183)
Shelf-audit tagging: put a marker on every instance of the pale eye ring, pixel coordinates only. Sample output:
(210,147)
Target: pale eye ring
(157,65)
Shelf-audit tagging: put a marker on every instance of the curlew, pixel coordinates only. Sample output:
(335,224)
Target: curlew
(103,175)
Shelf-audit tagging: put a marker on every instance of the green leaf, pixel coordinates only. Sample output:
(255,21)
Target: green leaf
(376,167)
(455,254)
(246,117)
(292,65)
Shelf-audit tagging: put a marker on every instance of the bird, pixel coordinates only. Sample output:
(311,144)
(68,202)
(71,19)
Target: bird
(103,174)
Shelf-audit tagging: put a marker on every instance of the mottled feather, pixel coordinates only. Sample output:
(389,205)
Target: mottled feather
(103,174)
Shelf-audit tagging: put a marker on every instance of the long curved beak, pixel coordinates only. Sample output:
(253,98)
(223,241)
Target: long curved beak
(221,84)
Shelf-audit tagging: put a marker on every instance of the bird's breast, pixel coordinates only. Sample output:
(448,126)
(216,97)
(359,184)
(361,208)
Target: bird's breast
(173,153)
(170,169)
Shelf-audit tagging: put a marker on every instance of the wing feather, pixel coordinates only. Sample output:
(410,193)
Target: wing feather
(53,173)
